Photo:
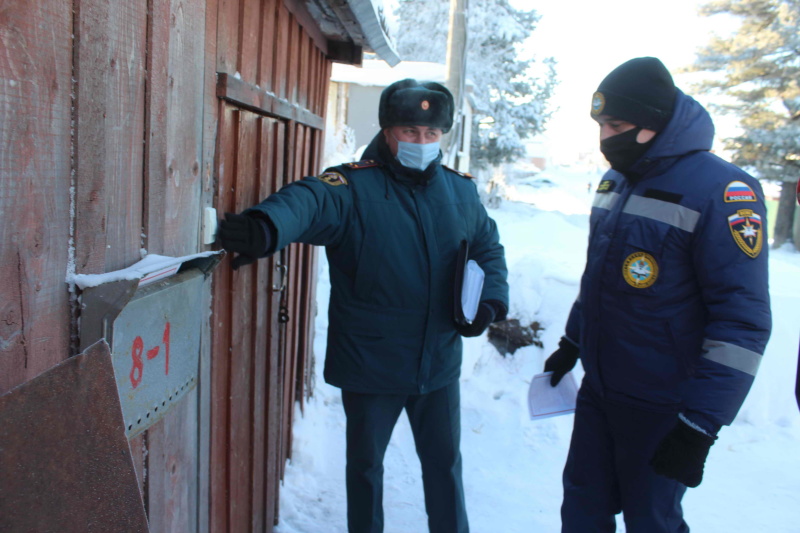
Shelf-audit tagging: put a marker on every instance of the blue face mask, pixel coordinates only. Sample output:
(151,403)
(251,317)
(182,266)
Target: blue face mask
(418,156)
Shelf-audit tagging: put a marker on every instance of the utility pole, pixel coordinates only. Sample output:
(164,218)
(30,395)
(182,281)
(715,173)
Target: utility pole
(456,71)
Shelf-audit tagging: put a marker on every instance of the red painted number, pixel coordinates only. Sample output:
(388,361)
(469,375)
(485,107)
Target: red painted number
(165,340)
(137,370)
(138,365)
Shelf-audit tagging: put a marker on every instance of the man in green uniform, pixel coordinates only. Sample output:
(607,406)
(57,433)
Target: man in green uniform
(392,226)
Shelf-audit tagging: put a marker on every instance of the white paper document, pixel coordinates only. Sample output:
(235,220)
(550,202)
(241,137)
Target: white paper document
(545,401)
(471,289)
(152,268)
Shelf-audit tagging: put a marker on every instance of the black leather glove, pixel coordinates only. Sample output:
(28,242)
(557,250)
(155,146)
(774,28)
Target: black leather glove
(561,361)
(244,235)
(682,454)
(487,311)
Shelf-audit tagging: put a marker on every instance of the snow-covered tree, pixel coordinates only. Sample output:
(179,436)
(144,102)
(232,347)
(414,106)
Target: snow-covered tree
(509,93)
(758,66)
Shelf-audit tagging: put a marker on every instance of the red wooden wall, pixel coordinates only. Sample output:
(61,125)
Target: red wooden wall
(119,123)
(272,80)
(35,179)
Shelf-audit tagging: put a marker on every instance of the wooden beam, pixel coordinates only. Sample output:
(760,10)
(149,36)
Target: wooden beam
(311,26)
(348,53)
(249,96)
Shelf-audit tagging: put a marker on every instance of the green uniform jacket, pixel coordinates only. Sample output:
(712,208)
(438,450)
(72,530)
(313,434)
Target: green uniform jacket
(391,244)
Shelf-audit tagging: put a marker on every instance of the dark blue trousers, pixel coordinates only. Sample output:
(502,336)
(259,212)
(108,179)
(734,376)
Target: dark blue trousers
(436,424)
(608,471)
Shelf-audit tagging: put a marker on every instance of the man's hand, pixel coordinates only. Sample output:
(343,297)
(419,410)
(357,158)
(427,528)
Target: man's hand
(487,311)
(244,235)
(681,455)
(561,361)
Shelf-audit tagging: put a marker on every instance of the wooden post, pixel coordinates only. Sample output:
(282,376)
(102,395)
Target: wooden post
(456,71)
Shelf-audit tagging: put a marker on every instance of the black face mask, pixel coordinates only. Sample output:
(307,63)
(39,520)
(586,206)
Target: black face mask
(622,150)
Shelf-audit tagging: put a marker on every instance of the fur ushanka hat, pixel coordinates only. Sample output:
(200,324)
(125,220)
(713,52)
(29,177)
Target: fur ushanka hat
(412,103)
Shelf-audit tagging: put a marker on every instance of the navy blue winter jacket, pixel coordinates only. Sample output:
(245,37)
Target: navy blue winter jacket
(673,312)
(391,236)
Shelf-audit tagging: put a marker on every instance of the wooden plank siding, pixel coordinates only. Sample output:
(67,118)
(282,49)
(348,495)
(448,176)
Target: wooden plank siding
(243,300)
(173,190)
(184,128)
(35,183)
(259,369)
(211,107)
(221,332)
(109,151)
(276,341)
(120,122)
(253,372)
(271,78)
(110,53)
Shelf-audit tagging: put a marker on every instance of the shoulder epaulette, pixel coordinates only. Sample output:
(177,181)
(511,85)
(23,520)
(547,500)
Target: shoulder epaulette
(366,163)
(462,174)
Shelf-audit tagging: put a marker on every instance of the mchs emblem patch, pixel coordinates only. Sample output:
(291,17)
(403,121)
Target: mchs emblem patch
(640,270)
(746,228)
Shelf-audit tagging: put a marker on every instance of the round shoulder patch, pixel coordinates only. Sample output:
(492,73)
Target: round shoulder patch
(640,270)
(333,179)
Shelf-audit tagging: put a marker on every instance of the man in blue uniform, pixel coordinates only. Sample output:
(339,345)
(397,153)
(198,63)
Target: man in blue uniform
(392,227)
(673,312)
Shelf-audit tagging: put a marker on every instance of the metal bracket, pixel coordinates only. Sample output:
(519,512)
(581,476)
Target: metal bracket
(204,264)
(282,271)
(100,306)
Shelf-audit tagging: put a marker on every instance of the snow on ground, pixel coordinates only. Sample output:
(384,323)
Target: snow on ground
(512,466)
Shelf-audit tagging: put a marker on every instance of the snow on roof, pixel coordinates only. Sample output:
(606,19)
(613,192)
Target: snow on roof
(371,16)
(377,73)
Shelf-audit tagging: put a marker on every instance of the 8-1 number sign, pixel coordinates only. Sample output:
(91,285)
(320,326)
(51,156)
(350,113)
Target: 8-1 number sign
(137,370)
(156,348)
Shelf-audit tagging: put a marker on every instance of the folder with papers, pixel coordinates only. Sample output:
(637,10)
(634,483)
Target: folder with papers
(468,286)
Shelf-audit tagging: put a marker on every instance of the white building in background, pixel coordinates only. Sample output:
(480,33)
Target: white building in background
(353,98)
(536,153)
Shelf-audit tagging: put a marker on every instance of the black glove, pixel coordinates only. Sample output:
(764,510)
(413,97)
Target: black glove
(487,311)
(682,454)
(561,361)
(245,235)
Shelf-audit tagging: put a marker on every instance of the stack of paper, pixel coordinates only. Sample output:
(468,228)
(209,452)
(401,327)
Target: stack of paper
(471,290)
(545,401)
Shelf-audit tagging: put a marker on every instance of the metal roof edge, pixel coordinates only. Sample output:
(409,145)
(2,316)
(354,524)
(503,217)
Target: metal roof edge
(374,34)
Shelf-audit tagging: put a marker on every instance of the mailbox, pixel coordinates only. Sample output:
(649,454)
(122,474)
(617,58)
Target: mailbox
(154,333)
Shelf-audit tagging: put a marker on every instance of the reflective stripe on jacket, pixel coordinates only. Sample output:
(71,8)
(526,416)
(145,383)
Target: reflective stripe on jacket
(673,311)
